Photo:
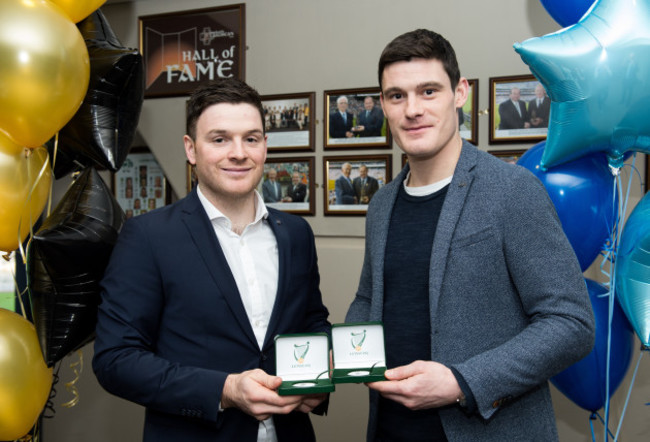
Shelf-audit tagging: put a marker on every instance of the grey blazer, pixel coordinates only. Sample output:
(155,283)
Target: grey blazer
(509,306)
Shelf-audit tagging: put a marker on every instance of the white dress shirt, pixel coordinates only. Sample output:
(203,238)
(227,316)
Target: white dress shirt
(253,261)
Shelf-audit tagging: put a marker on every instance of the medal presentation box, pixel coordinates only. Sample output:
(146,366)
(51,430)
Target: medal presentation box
(359,354)
(302,361)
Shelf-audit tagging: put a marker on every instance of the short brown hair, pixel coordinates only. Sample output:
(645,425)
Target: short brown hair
(221,90)
(421,43)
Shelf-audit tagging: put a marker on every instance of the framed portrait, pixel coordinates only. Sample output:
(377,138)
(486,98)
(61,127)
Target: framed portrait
(288,185)
(509,156)
(182,50)
(519,110)
(354,119)
(140,184)
(468,114)
(289,121)
(351,182)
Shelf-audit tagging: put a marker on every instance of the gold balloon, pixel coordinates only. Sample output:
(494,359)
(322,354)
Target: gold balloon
(25,181)
(78,10)
(8,146)
(25,380)
(44,70)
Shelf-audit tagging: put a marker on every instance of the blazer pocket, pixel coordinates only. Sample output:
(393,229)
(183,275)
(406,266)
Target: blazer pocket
(472,238)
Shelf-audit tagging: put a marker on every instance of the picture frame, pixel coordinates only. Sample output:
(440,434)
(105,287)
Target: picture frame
(140,171)
(352,197)
(191,178)
(182,50)
(282,194)
(530,123)
(509,156)
(361,129)
(289,121)
(468,114)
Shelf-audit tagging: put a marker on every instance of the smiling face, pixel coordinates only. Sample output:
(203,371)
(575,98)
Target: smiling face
(420,105)
(229,151)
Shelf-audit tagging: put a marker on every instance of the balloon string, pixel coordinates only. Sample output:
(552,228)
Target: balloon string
(41,173)
(629,392)
(612,276)
(592,418)
(54,155)
(71,386)
(596,415)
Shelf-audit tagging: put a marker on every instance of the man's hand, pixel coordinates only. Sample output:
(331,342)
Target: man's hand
(254,392)
(311,401)
(419,385)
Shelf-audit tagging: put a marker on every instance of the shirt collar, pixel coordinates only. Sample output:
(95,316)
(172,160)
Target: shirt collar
(215,214)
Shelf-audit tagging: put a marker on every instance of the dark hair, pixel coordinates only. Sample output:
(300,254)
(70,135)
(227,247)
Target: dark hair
(421,43)
(221,90)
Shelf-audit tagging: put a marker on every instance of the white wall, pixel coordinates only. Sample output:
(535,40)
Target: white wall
(316,45)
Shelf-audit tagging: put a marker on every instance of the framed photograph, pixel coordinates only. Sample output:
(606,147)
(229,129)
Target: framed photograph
(354,119)
(289,121)
(468,114)
(352,181)
(509,156)
(519,110)
(182,50)
(288,185)
(140,184)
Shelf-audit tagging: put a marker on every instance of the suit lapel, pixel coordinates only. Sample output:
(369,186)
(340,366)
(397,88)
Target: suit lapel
(451,209)
(284,268)
(202,233)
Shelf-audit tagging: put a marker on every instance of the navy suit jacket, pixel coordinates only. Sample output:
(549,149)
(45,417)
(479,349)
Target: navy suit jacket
(172,326)
(344,191)
(338,128)
(510,118)
(373,123)
(268,192)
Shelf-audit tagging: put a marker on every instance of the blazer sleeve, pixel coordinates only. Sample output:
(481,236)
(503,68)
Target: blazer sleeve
(560,329)
(125,360)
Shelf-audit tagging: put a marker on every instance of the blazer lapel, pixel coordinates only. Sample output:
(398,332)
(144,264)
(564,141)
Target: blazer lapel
(202,233)
(451,209)
(284,268)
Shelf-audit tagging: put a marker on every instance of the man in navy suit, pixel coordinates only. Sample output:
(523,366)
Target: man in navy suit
(343,187)
(513,112)
(195,292)
(271,189)
(539,108)
(340,124)
(371,119)
(297,191)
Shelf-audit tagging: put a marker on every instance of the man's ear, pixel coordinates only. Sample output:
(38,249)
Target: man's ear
(462,90)
(190,150)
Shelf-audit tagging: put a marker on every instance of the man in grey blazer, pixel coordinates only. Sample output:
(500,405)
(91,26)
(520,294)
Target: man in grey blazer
(467,266)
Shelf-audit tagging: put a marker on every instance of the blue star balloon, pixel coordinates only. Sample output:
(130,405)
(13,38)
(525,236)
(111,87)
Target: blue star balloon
(597,74)
(632,270)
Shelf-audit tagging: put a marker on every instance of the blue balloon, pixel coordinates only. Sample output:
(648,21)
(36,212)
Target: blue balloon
(584,198)
(566,12)
(632,270)
(597,74)
(585,381)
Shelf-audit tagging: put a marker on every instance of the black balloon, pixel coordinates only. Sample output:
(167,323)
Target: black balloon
(102,130)
(66,260)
